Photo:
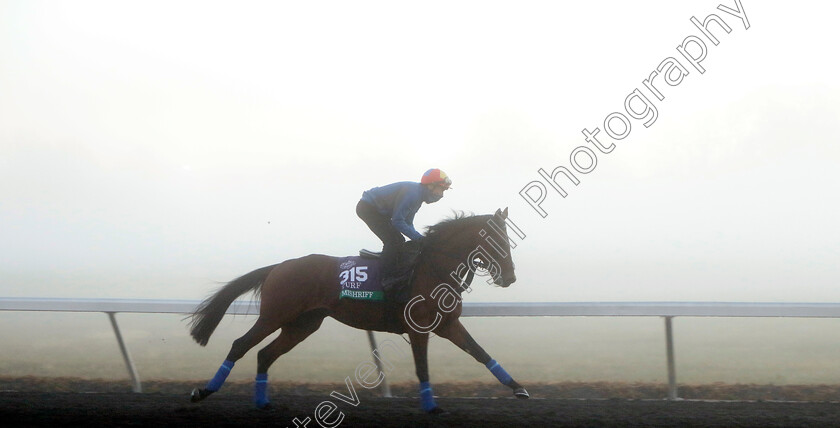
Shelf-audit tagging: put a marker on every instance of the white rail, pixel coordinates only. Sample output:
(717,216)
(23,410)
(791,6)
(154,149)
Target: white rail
(667,310)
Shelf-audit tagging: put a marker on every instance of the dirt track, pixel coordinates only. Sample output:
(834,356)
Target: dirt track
(159,409)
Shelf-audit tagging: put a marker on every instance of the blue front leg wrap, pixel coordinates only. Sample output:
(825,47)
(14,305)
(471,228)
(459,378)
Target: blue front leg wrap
(427,399)
(499,372)
(261,390)
(220,377)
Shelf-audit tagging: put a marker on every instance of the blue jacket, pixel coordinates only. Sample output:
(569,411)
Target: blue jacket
(399,201)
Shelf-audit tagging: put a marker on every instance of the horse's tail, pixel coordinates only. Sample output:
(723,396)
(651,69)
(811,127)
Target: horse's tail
(209,313)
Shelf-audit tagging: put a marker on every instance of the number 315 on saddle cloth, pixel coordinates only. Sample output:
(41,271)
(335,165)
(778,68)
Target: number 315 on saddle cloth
(359,279)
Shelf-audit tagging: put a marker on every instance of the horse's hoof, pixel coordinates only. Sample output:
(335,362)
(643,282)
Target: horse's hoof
(271,408)
(199,394)
(437,411)
(521,393)
(268,407)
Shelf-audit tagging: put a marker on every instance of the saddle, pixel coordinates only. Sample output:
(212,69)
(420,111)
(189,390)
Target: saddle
(396,284)
(368,254)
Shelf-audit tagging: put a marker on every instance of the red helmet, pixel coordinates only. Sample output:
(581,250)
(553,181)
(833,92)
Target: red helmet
(436,176)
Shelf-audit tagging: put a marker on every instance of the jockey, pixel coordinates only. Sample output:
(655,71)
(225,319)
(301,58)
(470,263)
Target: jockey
(389,212)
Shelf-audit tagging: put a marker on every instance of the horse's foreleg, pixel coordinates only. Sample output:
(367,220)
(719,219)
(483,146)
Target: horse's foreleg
(459,335)
(419,348)
(260,330)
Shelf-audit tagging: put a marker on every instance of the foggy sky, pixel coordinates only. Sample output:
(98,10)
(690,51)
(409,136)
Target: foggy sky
(157,149)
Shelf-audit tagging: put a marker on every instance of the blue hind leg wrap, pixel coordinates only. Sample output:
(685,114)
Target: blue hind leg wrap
(427,399)
(499,372)
(261,390)
(220,377)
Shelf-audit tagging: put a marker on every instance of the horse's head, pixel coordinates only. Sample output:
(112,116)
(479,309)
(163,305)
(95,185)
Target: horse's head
(483,239)
(498,261)
(492,256)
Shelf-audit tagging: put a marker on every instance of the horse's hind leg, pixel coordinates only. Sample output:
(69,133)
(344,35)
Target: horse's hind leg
(459,335)
(289,337)
(259,331)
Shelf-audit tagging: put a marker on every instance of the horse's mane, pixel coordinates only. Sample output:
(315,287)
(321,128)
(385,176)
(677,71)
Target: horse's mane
(445,227)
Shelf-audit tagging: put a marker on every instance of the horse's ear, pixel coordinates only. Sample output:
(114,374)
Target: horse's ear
(498,213)
(505,213)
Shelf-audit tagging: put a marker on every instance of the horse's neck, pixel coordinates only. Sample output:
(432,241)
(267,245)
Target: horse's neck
(450,254)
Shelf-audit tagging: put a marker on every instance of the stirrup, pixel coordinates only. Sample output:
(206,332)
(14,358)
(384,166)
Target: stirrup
(369,254)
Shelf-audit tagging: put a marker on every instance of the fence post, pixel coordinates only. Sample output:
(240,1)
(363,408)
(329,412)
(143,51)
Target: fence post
(386,389)
(135,379)
(672,370)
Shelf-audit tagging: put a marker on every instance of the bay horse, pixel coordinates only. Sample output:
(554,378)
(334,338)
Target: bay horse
(297,294)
